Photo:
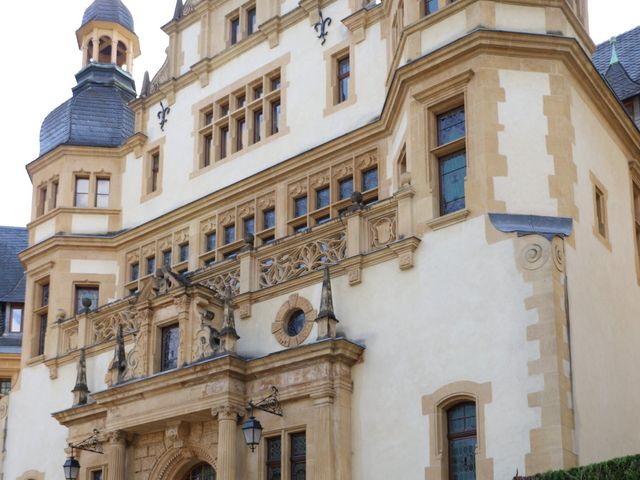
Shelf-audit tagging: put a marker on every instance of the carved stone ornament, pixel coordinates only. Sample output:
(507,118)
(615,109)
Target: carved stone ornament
(298,188)
(343,169)
(246,210)
(383,230)
(149,251)
(167,280)
(557,248)
(320,179)
(279,325)
(133,257)
(105,329)
(309,257)
(164,243)
(220,282)
(228,217)
(535,253)
(182,236)
(208,226)
(366,161)
(163,76)
(190,6)
(267,201)
(206,341)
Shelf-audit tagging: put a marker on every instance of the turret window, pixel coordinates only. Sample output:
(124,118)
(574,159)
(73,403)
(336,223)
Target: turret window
(82,192)
(103,186)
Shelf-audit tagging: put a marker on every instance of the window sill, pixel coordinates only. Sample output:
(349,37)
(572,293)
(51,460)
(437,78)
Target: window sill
(447,220)
(35,360)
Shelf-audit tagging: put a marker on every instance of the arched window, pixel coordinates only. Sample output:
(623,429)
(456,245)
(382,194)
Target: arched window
(104,50)
(462,441)
(121,57)
(202,471)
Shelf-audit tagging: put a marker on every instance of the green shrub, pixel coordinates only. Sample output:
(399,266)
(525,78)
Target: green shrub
(625,468)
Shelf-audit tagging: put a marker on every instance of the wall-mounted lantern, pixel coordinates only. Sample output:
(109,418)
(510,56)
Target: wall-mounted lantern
(252,428)
(72,467)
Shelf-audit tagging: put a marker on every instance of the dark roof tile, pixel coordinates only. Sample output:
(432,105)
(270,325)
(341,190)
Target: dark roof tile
(12,241)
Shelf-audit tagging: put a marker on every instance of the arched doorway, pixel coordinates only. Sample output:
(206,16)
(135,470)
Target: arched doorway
(202,471)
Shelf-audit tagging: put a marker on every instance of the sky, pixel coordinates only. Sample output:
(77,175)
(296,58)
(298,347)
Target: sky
(41,58)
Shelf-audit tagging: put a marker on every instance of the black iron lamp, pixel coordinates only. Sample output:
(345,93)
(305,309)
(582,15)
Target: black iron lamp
(252,428)
(72,467)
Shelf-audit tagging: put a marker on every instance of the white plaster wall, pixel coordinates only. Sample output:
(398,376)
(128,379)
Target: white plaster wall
(518,18)
(443,32)
(425,328)
(45,230)
(305,103)
(94,224)
(189,38)
(35,440)
(287,6)
(604,299)
(523,142)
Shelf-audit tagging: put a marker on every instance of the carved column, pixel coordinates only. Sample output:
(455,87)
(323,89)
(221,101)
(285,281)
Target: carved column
(118,457)
(227,442)
(323,440)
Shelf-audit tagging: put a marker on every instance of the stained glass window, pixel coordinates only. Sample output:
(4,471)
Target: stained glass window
(203,471)
(451,126)
(295,324)
(298,456)
(345,188)
(453,170)
(322,197)
(461,422)
(170,343)
(274,458)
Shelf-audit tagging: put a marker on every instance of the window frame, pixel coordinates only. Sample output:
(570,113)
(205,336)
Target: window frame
(600,200)
(98,195)
(76,193)
(285,437)
(41,316)
(11,308)
(170,326)
(77,302)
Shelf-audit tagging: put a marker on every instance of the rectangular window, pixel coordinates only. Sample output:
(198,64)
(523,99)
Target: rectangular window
(155,172)
(298,456)
(207,148)
(166,258)
(234,27)
(345,188)
(268,219)
(601,212)
(257,126)
(251,20)
(299,206)
(183,252)
(274,458)
(224,136)
(323,197)
(42,332)
(103,188)
(169,351)
(224,109)
(323,219)
(210,240)
(344,71)
(44,295)
(257,92)
(430,6)
(15,319)
(370,179)
(82,192)
(88,295)
(240,127)
(249,226)
(275,117)
(452,166)
(229,234)
(42,200)
(97,475)
(55,186)
(208,117)
(151,265)
(5,387)
(275,83)
(134,271)
(241,101)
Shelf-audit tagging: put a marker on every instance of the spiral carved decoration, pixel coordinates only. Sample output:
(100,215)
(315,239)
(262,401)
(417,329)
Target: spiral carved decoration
(557,251)
(535,254)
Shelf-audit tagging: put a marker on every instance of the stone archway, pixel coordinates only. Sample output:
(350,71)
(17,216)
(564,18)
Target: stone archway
(176,462)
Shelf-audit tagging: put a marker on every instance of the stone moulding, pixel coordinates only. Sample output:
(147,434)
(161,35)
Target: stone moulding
(547,227)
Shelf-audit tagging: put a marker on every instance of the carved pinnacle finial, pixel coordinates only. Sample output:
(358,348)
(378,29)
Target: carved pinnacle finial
(146,85)
(179,11)
(80,390)
(119,364)
(228,334)
(326,320)
(614,51)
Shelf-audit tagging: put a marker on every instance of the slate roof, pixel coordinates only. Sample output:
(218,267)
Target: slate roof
(97,114)
(109,11)
(624,76)
(12,241)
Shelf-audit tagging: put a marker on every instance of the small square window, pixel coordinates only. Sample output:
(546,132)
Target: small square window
(208,117)
(224,109)
(300,229)
(211,240)
(322,219)
(96,475)
(275,83)
(269,219)
(451,126)
(249,225)
(299,206)
(151,265)
(5,386)
(184,252)
(370,179)
(166,258)
(323,197)
(430,6)
(229,234)
(135,271)
(88,294)
(345,188)
(257,92)
(230,255)
(241,101)
(268,240)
